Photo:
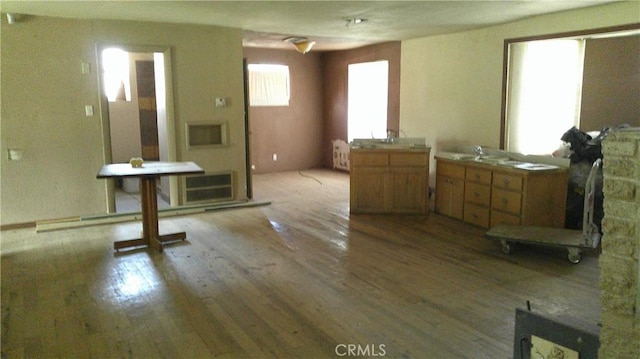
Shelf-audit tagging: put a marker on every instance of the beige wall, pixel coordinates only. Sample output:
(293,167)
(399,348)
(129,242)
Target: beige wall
(451,85)
(44,94)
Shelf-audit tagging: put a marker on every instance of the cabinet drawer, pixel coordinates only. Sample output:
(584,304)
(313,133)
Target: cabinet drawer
(478,175)
(408,159)
(369,159)
(449,170)
(507,181)
(477,215)
(506,201)
(503,218)
(477,193)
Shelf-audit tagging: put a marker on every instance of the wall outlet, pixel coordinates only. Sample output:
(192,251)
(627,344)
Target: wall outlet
(274,156)
(88,110)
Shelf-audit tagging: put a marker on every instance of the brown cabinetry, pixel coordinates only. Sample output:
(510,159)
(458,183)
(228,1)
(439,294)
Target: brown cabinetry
(450,189)
(531,198)
(491,195)
(477,196)
(389,181)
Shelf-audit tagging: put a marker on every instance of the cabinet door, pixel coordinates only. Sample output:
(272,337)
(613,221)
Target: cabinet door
(408,190)
(368,189)
(477,193)
(477,215)
(450,196)
(506,201)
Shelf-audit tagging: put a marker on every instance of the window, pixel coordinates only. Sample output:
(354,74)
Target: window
(368,86)
(544,93)
(268,85)
(115,63)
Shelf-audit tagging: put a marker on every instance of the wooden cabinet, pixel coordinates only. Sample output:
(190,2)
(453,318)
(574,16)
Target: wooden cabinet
(368,195)
(477,196)
(450,189)
(389,181)
(486,195)
(531,198)
(408,190)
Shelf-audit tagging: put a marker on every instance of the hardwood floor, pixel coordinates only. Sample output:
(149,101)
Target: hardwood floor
(300,278)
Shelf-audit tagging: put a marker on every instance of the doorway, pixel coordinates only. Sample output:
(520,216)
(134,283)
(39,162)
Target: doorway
(138,124)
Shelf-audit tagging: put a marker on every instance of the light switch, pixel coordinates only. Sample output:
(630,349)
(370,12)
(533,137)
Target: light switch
(86,68)
(88,109)
(221,102)
(15,154)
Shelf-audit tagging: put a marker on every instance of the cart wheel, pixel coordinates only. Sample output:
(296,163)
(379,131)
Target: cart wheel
(507,247)
(574,255)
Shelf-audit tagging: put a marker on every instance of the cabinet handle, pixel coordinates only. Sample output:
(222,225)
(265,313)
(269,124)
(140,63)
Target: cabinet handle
(506,181)
(504,200)
(476,194)
(477,176)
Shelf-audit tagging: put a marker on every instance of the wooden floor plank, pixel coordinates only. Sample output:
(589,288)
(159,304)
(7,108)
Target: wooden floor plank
(300,278)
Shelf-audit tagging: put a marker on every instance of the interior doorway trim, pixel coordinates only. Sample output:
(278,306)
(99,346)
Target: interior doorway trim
(166,52)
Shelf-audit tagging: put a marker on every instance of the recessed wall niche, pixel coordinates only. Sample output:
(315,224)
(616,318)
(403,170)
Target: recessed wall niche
(204,135)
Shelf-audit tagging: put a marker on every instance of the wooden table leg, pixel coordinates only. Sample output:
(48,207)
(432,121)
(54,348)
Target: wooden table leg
(150,212)
(150,233)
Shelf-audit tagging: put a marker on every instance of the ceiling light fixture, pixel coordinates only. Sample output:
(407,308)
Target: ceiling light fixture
(302,44)
(12,18)
(355,21)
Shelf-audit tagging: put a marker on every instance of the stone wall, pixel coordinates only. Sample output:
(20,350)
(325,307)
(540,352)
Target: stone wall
(619,262)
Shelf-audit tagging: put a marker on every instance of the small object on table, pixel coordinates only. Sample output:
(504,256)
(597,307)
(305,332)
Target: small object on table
(148,176)
(136,162)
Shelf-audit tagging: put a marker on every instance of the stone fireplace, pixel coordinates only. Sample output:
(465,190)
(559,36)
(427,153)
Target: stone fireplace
(619,261)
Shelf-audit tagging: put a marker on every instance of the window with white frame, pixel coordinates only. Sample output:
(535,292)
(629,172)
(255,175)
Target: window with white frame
(268,85)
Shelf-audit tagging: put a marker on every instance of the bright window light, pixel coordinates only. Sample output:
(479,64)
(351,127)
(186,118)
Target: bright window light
(115,63)
(545,82)
(268,85)
(367,100)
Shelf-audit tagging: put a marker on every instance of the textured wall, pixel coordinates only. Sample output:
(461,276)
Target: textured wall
(44,94)
(619,268)
(294,132)
(611,83)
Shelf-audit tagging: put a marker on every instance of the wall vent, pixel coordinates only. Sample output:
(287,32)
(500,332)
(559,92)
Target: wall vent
(210,187)
(201,135)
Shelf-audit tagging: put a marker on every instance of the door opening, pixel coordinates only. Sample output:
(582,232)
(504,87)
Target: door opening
(135,91)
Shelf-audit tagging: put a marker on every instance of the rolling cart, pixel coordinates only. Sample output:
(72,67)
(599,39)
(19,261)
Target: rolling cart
(574,240)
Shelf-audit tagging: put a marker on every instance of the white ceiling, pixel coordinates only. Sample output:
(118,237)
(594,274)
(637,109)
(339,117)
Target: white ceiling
(267,23)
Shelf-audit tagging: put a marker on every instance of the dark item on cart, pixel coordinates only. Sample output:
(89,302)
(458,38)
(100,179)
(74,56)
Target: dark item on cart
(575,241)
